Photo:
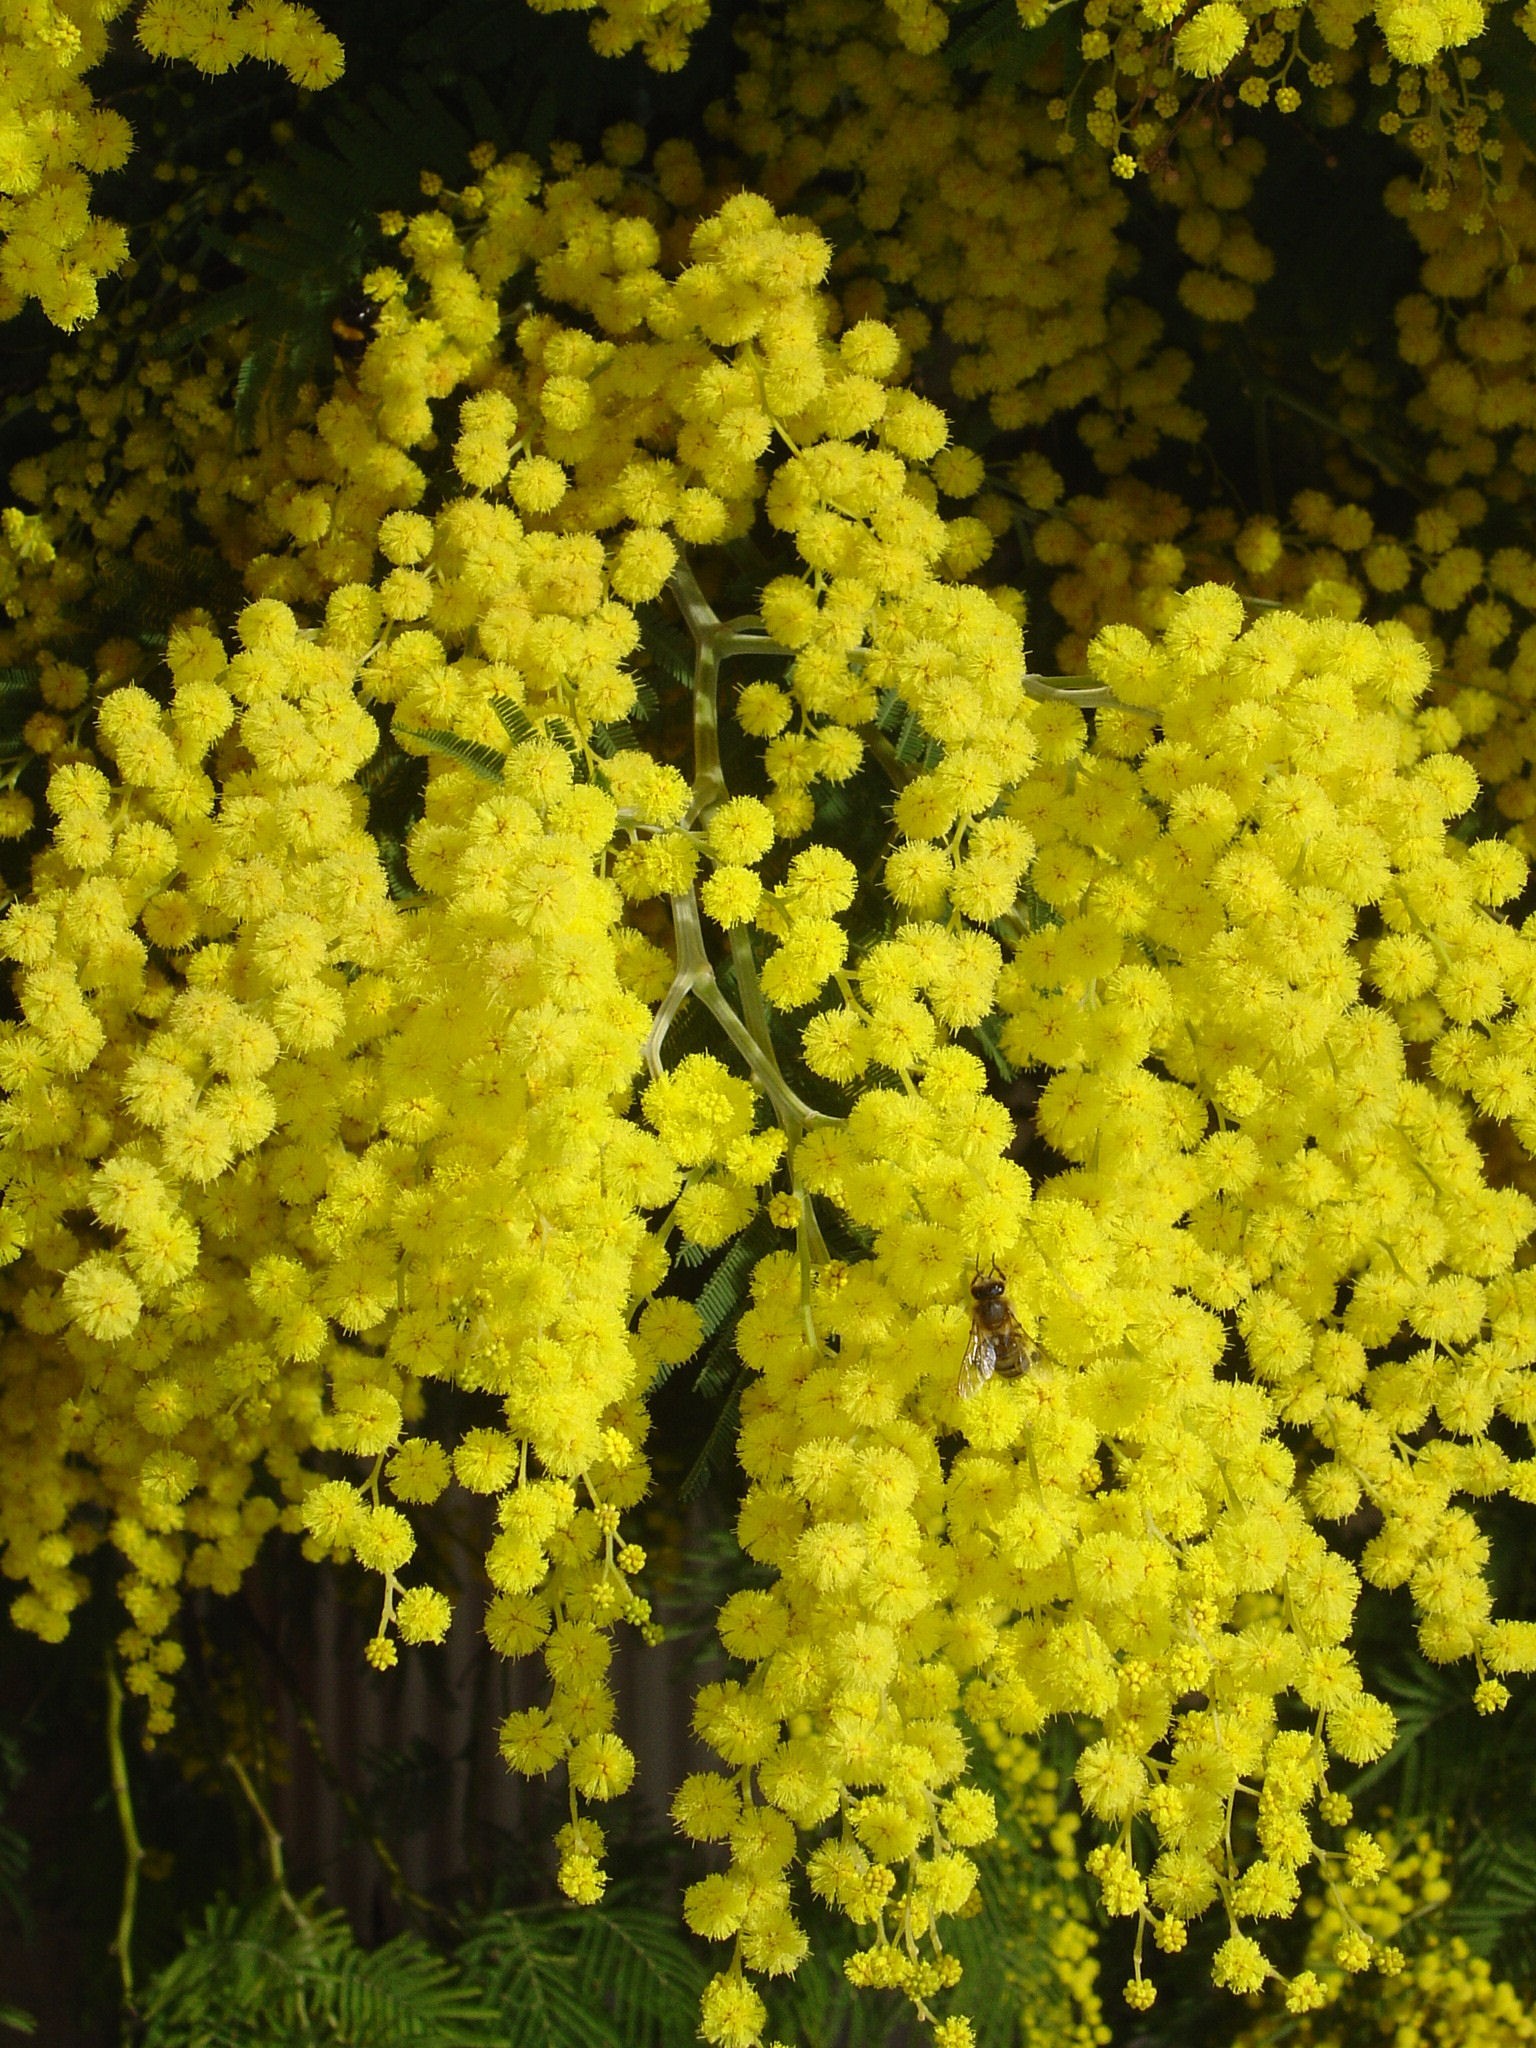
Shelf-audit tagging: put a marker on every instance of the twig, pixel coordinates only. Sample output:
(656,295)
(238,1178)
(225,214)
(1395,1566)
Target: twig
(753,1007)
(272,1839)
(896,771)
(133,1848)
(1080,690)
(351,1805)
(698,613)
(694,976)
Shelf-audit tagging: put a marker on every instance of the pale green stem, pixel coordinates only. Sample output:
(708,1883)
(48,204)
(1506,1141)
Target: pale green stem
(708,778)
(133,1848)
(698,613)
(1079,690)
(683,977)
(749,1029)
(272,1840)
(753,1006)
(727,641)
(896,772)
(744,636)
(693,976)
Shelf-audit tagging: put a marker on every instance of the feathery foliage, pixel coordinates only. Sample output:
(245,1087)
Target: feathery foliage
(281,1974)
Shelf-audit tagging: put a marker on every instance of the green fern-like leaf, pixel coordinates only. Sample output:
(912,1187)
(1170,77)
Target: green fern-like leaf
(257,374)
(721,1435)
(609,740)
(669,650)
(1495,1890)
(406,1787)
(324,200)
(649,1978)
(520,729)
(911,746)
(403,1993)
(239,1973)
(981,31)
(1033,912)
(646,704)
(724,1291)
(985,1034)
(479,760)
(992,38)
(563,735)
(997,1954)
(279,1975)
(819,2005)
(515,722)
(1432,1765)
(717,1368)
(15,1856)
(527,1971)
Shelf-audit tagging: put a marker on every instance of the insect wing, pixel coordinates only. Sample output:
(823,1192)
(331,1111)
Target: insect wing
(979,1362)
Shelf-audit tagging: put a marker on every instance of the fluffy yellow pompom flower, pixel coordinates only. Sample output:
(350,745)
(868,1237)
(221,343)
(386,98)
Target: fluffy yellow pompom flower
(1210,39)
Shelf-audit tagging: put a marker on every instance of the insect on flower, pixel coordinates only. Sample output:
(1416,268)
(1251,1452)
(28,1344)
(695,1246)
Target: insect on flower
(352,327)
(996,1343)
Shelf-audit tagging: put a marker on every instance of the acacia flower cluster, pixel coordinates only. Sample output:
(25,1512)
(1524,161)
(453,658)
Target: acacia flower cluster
(184,1011)
(1144,71)
(55,138)
(1442,1992)
(962,220)
(295,1127)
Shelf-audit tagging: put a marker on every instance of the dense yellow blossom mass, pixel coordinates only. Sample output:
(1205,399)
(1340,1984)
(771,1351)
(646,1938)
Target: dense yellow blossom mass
(294,1127)
(55,138)
(1441,1993)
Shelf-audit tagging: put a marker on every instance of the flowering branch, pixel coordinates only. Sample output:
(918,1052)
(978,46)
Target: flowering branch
(693,974)
(696,977)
